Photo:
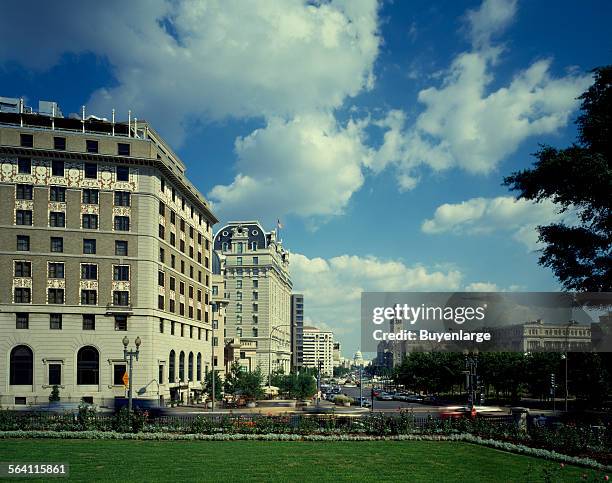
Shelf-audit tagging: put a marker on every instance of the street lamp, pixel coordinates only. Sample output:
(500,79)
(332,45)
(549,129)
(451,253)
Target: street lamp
(567,328)
(131,354)
(471,366)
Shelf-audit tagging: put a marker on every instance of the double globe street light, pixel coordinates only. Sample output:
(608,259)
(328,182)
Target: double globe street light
(131,354)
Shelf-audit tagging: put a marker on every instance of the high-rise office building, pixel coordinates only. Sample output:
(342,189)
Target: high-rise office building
(297,330)
(319,349)
(258,287)
(103,237)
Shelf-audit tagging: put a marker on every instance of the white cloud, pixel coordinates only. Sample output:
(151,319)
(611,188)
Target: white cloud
(486,215)
(307,166)
(481,287)
(181,61)
(332,287)
(489,19)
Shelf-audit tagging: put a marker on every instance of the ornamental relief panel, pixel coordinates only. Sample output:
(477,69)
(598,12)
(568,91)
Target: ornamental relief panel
(162,220)
(121,211)
(121,285)
(57,206)
(89,285)
(181,299)
(172,295)
(56,283)
(24,204)
(161,291)
(22,282)
(90,209)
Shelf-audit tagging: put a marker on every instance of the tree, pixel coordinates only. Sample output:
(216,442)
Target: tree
(55,394)
(208,378)
(249,384)
(578,178)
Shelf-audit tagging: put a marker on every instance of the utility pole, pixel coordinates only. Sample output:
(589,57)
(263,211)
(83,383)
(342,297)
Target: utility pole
(360,386)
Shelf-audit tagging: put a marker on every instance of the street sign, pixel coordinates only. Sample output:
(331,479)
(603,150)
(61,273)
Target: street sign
(126,379)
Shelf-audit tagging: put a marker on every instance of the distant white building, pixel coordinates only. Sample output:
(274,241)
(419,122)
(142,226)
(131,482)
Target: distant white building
(358,359)
(319,347)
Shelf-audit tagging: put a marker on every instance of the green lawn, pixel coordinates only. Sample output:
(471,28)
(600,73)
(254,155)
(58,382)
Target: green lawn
(92,460)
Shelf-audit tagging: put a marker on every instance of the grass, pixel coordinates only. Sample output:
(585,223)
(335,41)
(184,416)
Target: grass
(92,460)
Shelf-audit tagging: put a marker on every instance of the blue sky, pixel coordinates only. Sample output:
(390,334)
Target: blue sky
(379,133)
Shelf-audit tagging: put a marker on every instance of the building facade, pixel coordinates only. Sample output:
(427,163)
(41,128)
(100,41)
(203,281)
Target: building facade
(319,349)
(102,236)
(258,287)
(297,331)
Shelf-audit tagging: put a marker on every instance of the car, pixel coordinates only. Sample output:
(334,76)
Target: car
(399,396)
(385,396)
(458,412)
(414,398)
(363,402)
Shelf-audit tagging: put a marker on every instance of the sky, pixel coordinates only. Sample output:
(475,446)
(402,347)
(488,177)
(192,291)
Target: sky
(378,132)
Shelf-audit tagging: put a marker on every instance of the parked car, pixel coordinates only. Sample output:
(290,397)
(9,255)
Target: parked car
(363,402)
(414,398)
(385,396)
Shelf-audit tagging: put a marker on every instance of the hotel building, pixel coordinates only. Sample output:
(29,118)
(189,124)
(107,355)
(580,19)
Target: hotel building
(319,348)
(102,237)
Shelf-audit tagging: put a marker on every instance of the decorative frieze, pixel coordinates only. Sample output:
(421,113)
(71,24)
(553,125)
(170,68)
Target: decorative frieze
(57,206)
(56,283)
(24,204)
(89,285)
(121,211)
(88,209)
(22,282)
(121,285)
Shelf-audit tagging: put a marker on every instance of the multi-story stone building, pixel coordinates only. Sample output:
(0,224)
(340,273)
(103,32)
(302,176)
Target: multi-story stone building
(297,331)
(219,313)
(102,236)
(319,348)
(258,286)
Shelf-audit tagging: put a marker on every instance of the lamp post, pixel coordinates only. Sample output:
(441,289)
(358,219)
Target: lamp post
(567,327)
(131,354)
(471,366)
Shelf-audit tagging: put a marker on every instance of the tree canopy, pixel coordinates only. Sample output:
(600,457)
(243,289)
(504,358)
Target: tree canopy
(579,180)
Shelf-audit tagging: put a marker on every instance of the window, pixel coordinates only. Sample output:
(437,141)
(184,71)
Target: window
(182,246)
(199,367)
(182,330)
(89,297)
(121,248)
(190,367)
(90,222)
(122,198)
(172,366)
(255,332)
(239,247)
(215,341)
(89,246)
(120,322)
(182,288)
(238,307)
(255,295)
(255,319)
(57,244)
(239,334)
(172,326)
(190,311)
(162,208)
(172,217)
(162,255)
(255,260)
(161,326)
(172,261)
(254,246)
(88,366)
(238,283)
(123,149)
(122,223)
(56,270)
(57,168)
(172,283)
(23,191)
(57,193)
(24,166)
(55,321)
(238,260)
(27,140)
(191,271)
(22,320)
(89,271)
(23,269)
(182,366)
(23,217)
(215,290)
(57,219)
(91,171)
(161,279)
(190,291)
(161,302)
(238,295)
(59,143)
(22,366)
(172,239)
(55,296)
(161,231)
(22,296)
(55,374)
(199,295)
(121,273)
(92,146)
(121,298)
(119,371)
(89,322)
(90,197)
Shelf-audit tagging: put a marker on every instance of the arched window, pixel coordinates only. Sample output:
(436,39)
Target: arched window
(182,366)
(199,367)
(190,368)
(172,367)
(22,365)
(88,365)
